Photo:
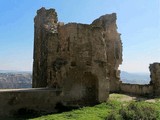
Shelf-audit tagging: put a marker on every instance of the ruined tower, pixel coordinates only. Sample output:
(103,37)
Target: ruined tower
(82,60)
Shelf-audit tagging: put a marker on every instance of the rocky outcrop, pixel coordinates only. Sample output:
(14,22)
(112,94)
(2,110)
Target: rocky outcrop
(80,59)
(155,78)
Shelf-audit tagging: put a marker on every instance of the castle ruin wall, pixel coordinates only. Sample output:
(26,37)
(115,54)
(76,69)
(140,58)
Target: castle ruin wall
(152,89)
(136,89)
(80,59)
(32,101)
(155,78)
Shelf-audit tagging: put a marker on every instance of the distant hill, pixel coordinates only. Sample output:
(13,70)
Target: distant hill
(14,71)
(15,79)
(135,78)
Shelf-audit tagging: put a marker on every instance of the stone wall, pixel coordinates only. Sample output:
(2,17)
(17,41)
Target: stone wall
(113,48)
(14,102)
(152,89)
(80,59)
(155,77)
(135,89)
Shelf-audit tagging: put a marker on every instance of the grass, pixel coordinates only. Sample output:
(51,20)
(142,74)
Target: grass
(118,107)
(87,113)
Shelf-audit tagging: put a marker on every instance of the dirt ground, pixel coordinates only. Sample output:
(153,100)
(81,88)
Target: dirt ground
(128,98)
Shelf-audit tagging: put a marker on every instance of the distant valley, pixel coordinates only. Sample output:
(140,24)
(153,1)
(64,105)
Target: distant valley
(15,79)
(135,78)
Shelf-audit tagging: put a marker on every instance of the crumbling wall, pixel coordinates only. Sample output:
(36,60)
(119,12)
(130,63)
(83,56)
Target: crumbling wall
(33,101)
(136,89)
(155,78)
(80,59)
(114,48)
(152,89)
(45,25)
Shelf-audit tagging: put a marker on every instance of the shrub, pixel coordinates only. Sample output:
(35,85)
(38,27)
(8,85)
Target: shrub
(114,116)
(138,111)
(134,111)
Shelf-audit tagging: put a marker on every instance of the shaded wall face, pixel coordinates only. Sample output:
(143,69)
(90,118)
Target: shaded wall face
(44,22)
(80,59)
(22,102)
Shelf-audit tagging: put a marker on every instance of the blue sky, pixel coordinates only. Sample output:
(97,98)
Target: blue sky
(138,21)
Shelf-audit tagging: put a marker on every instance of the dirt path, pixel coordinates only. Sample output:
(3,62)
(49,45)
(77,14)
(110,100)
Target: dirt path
(127,98)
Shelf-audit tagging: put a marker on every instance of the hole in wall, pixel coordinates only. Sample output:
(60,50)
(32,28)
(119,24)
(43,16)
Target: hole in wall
(141,78)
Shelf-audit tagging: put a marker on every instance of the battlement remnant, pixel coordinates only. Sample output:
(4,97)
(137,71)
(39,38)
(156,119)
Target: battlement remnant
(80,59)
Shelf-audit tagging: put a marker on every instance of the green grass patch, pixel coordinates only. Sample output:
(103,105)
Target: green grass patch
(114,109)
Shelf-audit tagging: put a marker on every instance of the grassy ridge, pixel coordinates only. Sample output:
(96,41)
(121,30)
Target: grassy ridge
(118,107)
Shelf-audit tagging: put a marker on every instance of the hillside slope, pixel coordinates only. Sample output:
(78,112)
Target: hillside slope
(15,80)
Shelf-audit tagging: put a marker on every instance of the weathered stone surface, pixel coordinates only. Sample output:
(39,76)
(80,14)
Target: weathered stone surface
(33,101)
(113,48)
(155,77)
(80,59)
(136,89)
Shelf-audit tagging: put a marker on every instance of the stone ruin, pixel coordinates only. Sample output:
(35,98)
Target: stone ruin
(155,78)
(74,65)
(82,60)
(150,90)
